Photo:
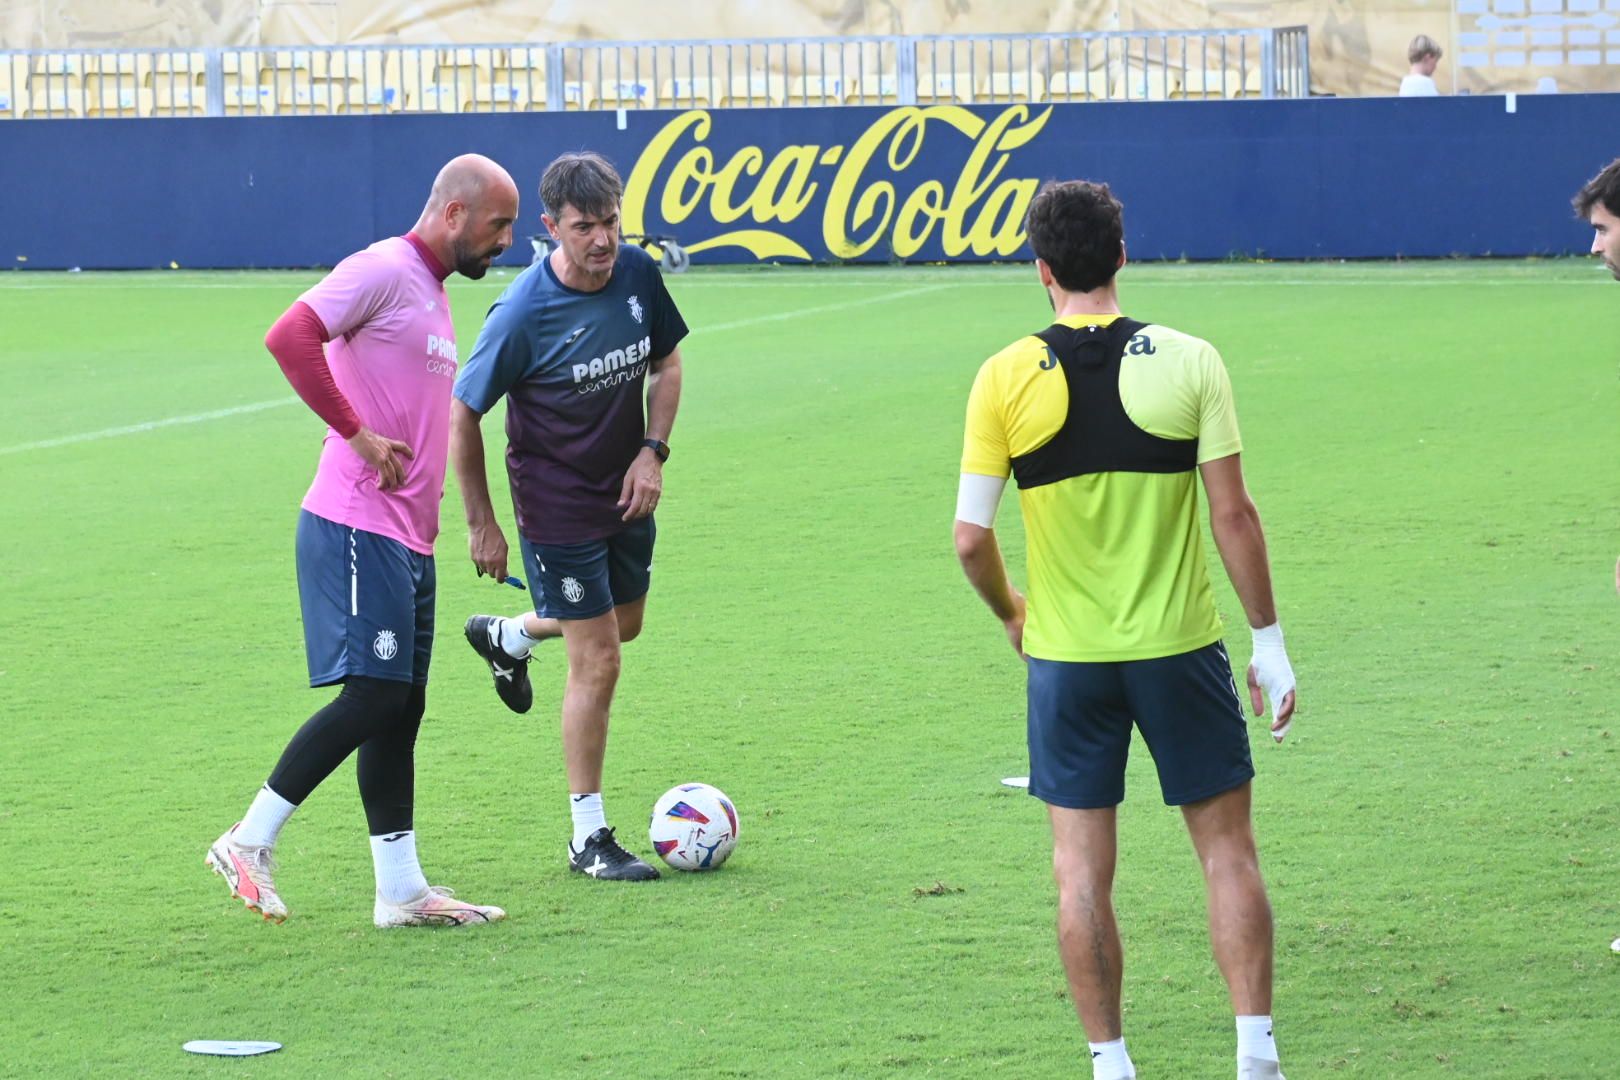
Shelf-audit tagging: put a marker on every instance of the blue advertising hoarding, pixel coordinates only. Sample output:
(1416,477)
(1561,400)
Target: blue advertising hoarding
(1200,180)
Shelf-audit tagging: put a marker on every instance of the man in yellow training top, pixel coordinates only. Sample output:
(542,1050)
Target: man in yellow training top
(1106,424)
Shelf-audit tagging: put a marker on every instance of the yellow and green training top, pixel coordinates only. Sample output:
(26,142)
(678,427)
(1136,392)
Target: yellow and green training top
(1103,421)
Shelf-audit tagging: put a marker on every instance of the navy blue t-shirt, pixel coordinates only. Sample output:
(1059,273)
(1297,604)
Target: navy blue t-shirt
(572,366)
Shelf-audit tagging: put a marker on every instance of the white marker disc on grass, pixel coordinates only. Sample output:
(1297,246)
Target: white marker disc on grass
(1016,781)
(229,1047)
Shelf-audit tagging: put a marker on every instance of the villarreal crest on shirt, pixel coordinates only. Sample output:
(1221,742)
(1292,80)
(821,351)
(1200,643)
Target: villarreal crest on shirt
(1102,422)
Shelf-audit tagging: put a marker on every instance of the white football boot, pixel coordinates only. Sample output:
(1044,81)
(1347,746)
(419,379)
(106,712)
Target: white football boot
(247,871)
(437,906)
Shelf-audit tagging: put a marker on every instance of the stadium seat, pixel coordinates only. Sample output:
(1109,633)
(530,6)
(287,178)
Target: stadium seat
(504,97)
(1150,84)
(754,88)
(1254,83)
(1079,86)
(623,94)
(522,59)
(1208,84)
(468,68)
(945,87)
(315,99)
(577,95)
(243,69)
(876,88)
(1014,86)
(438,98)
(181,99)
(357,66)
(412,70)
(376,99)
(686,93)
(56,72)
(54,104)
(816,90)
(111,102)
(179,67)
(249,101)
(281,66)
(526,70)
(117,71)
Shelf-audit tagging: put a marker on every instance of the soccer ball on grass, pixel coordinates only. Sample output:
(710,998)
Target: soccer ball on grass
(693,827)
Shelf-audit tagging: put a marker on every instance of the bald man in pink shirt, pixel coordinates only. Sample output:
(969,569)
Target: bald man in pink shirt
(372,350)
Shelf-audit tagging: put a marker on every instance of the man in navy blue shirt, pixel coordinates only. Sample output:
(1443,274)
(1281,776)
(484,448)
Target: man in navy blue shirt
(573,345)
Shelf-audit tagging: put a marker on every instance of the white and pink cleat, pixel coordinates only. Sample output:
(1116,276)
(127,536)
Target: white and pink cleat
(247,871)
(436,907)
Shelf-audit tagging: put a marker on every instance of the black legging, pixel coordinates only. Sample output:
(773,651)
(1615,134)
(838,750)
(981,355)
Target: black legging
(380,718)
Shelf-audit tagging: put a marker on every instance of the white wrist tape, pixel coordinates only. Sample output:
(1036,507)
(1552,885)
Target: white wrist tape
(1272,670)
(1268,635)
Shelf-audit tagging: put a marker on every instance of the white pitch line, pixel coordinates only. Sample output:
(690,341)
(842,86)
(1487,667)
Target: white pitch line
(150,425)
(820,309)
(260,406)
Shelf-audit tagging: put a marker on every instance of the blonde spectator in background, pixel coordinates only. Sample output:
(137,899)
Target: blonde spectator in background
(1424,55)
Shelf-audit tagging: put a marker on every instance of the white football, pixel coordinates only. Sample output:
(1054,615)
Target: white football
(693,827)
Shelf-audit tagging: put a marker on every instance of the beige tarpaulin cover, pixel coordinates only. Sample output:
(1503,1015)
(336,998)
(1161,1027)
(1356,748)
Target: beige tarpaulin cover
(1358,47)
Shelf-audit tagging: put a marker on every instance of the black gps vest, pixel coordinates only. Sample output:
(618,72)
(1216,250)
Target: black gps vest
(1098,435)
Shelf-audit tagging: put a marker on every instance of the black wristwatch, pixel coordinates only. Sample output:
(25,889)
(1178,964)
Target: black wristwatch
(657,446)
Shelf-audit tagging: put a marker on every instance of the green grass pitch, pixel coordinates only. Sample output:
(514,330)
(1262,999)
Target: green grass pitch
(1432,448)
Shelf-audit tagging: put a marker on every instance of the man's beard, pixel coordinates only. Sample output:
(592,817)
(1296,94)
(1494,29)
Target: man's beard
(471,264)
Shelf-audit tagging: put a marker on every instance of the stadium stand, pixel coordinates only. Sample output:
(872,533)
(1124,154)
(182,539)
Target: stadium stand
(940,70)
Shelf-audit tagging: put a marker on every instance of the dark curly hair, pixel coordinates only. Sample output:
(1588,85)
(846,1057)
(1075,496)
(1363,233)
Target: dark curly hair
(1603,188)
(1077,228)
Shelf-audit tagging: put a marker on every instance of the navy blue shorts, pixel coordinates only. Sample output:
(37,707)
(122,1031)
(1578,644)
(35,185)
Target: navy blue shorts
(1186,706)
(367,602)
(582,581)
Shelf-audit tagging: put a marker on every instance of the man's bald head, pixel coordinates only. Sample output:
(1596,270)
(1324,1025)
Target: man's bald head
(470,212)
(469,179)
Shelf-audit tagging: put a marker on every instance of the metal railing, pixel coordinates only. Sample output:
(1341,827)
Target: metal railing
(962,69)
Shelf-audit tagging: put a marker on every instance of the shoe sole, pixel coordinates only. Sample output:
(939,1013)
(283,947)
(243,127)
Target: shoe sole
(469,633)
(441,922)
(655,876)
(219,866)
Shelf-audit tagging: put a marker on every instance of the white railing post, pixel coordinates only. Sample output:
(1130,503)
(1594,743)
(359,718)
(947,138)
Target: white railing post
(213,82)
(555,77)
(906,70)
(1268,64)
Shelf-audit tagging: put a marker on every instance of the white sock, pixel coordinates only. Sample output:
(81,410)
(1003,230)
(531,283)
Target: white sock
(399,875)
(1109,1061)
(512,639)
(588,816)
(1255,1039)
(264,819)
